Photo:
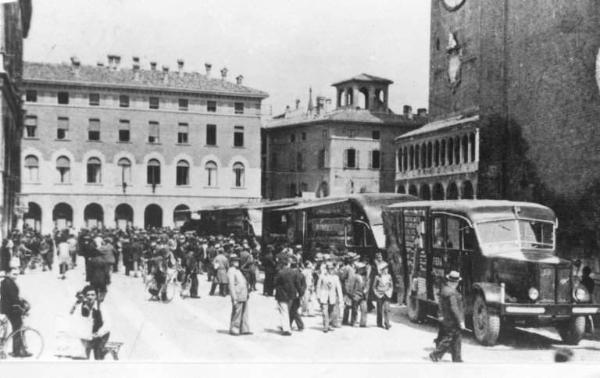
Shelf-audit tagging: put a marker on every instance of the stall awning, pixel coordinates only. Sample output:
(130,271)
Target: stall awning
(307,205)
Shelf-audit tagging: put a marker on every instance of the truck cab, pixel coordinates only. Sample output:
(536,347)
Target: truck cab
(506,254)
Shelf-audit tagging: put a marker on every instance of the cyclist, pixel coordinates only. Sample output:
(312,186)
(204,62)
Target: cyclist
(14,307)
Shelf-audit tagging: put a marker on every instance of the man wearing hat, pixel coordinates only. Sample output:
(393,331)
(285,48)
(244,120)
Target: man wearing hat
(452,320)
(238,289)
(382,290)
(329,293)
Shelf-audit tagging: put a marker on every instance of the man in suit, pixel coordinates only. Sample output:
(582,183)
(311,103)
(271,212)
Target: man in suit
(329,293)
(286,290)
(300,283)
(11,305)
(88,306)
(452,320)
(220,265)
(238,289)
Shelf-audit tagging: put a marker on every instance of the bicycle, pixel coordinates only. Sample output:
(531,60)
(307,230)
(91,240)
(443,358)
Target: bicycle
(32,339)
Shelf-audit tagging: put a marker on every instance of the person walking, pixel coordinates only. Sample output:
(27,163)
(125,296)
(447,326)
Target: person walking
(382,290)
(269,266)
(307,299)
(300,283)
(452,320)
(329,294)
(221,265)
(191,271)
(286,291)
(238,290)
(63,257)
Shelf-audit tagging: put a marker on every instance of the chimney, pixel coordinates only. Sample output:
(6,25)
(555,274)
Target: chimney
(297,103)
(165,70)
(224,73)
(180,64)
(239,79)
(75,64)
(422,112)
(407,111)
(320,104)
(153,66)
(100,64)
(207,66)
(111,60)
(136,63)
(117,61)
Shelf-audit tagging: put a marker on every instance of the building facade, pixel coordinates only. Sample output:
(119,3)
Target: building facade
(349,149)
(112,146)
(15,19)
(520,80)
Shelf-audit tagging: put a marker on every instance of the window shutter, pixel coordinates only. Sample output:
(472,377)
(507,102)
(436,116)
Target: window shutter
(356,160)
(371,159)
(345,158)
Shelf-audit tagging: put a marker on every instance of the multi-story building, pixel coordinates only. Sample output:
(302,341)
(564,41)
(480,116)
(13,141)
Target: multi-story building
(15,18)
(514,103)
(350,149)
(111,146)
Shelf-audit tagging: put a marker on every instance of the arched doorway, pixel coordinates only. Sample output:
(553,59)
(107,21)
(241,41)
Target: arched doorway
(323,190)
(181,214)
(425,193)
(438,192)
(452,192)
(153,216)
(62,215)
(33,217)
(93,216)
(401,189)
(124,216)
(412,190)
(467,190)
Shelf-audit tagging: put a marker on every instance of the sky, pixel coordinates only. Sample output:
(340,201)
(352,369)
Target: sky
(281,47)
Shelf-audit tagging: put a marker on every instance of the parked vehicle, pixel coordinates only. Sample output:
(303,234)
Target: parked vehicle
(506,254)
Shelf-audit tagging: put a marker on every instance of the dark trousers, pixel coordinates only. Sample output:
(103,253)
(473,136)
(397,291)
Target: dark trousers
(294,315)
(348,310)
(63,267)
(47,260)
(193,277)
(223,289)
(18,345)
(383,312)
(115,267)
(352,313)
(450,341)
(268,282)
(97,346)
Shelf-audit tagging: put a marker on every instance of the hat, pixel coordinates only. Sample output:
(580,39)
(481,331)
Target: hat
(382,266)
(352,256)
(234,258)
(360,265)
(298,246)
(453,276)
(329,265)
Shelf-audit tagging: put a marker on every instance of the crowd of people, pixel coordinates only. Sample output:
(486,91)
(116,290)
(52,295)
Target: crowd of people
(338,285)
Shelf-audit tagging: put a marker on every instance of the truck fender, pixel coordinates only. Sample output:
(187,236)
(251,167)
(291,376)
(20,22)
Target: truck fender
(491,293)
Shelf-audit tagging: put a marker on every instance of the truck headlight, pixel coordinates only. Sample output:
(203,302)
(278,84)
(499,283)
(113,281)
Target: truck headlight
(533,293)
(581,294)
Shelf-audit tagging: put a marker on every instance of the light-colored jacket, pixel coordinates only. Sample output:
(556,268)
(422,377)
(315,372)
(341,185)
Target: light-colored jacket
(238,286)
(329,289)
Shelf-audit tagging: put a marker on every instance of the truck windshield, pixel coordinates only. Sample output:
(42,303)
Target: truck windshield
(498,235)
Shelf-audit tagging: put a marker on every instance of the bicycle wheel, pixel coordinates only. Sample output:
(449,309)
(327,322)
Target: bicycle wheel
(32,341)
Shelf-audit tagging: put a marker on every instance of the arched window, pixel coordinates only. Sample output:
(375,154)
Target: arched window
(465,149)
(457,150)
(153,172)
(429,155)
(238,173)
(405,152)
(125,170)
(450,151)
(63,166)
(183,173)
(417,156)
(436,153)
(443,153)
(399,159)
(412,157)
(472,142)
(211,173)
(32,168)
(94,167)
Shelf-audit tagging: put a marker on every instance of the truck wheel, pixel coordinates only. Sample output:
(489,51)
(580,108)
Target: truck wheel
(572,331)
(415,311)
(486,325)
